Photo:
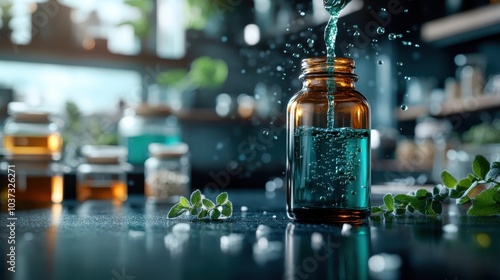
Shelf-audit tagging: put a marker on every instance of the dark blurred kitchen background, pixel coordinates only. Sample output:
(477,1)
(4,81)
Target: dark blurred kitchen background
(227,68)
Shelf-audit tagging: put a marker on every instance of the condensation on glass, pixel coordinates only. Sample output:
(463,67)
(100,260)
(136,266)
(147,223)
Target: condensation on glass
(328,145)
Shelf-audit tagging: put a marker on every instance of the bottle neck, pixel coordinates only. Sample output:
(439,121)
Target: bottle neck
(318,73)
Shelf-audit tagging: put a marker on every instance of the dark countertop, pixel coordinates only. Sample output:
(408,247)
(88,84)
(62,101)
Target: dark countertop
(99,240)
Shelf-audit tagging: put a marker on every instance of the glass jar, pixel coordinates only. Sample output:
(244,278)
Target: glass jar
(103,175)
(167,172)
(328,145)
(36,183)
(31,131)
(144,125)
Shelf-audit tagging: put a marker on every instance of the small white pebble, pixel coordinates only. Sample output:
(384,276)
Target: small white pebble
(244,208)
(262,230)
(274,216)
(450,228)
(136,233)
(316,240)
(181,228)
(265,212)
(346,229)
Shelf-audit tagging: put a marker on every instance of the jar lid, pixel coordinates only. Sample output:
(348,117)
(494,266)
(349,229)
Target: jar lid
(27,113)
(103,154)
(162,150)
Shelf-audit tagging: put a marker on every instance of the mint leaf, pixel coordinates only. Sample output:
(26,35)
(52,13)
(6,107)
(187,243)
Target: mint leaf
(176,211)
(203,214)
(196,198)
(376,210)
(215,214)
(194,211)
(471,177)
(221,198)
(227,209)
(184,202)
(486,204)
(208,204)
(448,180)
(480,166)
(419,205)
(389,202)
(403,198)
(421,193)
(400,211)
(463,200)
(464,184)
(437,207)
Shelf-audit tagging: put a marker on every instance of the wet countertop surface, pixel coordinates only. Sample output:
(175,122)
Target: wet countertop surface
(99,240)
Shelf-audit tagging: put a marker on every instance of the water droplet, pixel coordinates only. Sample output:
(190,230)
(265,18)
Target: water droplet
(302,13)
(407,78)
(405,10)
(310,41)
(322,198)
(287,45)
(391,36)
(399,63)
(404,107)
(223,39)
(296,55)
(380,30)
(265,132)
(380,62)
(275,137)
(417,46)
(383,9)
(356,33)
(309,29)
(353,192)
(279,68)
(299,46)
(243,71)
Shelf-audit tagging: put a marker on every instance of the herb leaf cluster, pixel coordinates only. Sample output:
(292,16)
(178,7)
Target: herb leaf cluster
(486,203)
(201,207)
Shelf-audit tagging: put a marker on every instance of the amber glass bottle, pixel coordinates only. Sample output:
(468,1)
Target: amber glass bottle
(328,145)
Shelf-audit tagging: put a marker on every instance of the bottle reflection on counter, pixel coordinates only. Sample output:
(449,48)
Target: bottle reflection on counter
(337,254)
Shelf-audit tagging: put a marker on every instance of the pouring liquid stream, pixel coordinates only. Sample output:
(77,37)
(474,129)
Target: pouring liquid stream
(334,7)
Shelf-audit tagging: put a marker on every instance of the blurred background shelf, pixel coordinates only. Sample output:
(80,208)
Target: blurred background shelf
(451,107)
(462,27)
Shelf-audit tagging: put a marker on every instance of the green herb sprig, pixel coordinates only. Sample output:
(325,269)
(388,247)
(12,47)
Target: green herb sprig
(201,208)
(486,203)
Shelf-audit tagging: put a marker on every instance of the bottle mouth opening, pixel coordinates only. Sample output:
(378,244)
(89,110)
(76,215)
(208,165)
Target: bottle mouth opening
(320,65)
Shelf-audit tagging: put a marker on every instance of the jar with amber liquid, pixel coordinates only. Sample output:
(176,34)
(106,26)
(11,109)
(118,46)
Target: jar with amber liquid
(31,131)
(103,175)
(328,145)
(35,183)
